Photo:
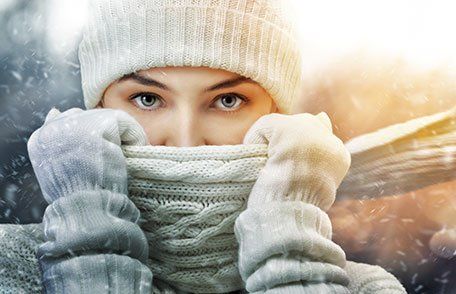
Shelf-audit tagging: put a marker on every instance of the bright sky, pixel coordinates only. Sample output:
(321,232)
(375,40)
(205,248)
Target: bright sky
(422,31)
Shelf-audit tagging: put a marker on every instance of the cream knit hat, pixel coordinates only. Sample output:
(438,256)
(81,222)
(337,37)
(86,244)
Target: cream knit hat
(253,38)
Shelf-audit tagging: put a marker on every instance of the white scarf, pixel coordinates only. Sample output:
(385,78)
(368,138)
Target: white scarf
(189,198)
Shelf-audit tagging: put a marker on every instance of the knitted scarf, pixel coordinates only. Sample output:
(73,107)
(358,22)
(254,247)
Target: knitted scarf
(189,199)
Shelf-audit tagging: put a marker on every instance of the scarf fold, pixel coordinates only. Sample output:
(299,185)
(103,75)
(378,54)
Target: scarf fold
(189,199)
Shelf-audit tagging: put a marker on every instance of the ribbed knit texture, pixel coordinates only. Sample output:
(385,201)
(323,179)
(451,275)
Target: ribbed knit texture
(253,38)
(288,242)
(188,223)
(189,198)
(19,271)
(193,203)
(93,243)
(371,279)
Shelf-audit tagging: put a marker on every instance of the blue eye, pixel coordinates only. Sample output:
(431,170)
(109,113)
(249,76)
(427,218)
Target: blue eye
(230,100)
(146,100)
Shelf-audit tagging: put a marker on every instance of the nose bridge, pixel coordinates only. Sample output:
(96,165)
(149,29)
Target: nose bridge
(186,130)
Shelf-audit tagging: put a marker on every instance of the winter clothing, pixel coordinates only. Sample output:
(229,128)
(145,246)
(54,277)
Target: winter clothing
(255,39)
(83,176)
(285,234)
(20,272)
(192,200)
(189,198)
(93,240)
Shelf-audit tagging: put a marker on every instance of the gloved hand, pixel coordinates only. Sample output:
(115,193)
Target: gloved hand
(80,150)
(90,226)
(284,235)
(306,161)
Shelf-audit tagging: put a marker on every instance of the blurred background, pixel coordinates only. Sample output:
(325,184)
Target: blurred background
(368,64)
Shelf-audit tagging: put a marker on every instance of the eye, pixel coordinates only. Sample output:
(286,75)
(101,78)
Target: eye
(146,101)
(230,101)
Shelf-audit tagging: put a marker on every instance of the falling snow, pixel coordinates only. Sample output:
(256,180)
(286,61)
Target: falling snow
(36,75)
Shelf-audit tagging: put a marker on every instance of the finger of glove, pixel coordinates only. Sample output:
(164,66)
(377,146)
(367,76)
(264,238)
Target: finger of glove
(54,125)
(261,130)
(324,118)
(114,125)
(131,132)
(54,113)
(88,141)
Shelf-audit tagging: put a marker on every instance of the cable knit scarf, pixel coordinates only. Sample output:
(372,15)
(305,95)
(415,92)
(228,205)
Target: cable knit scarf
(189,198)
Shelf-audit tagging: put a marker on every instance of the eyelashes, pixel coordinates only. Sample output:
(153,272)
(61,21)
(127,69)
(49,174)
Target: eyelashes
(146,101)
(240,98)
(142,95)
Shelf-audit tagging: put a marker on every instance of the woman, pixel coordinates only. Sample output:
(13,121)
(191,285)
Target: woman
(191,74)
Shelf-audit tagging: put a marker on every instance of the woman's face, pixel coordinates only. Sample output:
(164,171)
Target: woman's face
(190,106)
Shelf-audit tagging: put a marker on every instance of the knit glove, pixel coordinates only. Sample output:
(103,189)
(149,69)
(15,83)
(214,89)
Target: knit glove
(306,161)
(285,234)
(93,243)
(368,279)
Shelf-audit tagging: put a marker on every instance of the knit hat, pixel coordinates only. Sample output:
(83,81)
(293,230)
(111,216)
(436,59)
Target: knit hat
(253,38)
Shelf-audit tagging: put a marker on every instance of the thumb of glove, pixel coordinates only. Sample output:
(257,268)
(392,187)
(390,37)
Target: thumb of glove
(261,130)
(324,118)
(52,114)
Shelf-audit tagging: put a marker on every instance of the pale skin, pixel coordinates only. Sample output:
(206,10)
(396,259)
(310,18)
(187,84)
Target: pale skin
(190,106)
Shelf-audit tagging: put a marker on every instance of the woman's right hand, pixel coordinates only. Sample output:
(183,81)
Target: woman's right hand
(93,242)
(80,150)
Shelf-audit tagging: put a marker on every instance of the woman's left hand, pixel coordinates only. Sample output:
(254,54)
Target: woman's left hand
(284,234)
(307,162)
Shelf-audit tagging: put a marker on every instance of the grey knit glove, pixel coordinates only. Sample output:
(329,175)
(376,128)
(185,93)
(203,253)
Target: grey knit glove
(80,150)
(285,234)
(306,161)
(371,279)
(93,242)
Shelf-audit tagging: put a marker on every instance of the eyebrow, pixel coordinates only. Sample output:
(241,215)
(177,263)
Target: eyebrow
(151,82)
